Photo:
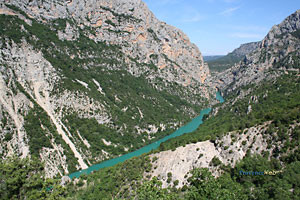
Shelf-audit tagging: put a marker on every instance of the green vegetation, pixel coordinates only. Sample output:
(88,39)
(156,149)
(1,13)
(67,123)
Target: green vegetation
(211,58)
(155,37)
(232,184)
(224,62)
(25,179)
(34,120)
(106,64)
(15,8)
(94,132)
(204,186)
(215,162)
(277,100)
(108,21)
(119,181)
(122,17)
(291,61)
(296,34)
(153,190)
(41,130)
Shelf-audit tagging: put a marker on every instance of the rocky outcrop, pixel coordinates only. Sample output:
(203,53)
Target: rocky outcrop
(276,54)
(229,149)
(245,49)
(131,25)
(51,79)
(221,63)
(30,71)
(278,50)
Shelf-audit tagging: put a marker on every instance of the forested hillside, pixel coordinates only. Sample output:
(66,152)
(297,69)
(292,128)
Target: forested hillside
(221,63)
(78,87)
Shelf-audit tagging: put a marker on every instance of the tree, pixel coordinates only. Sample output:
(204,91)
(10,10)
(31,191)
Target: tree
(204,186)
(153,190)
(24,179)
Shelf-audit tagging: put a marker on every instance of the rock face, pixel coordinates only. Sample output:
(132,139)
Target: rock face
(83,81)
(281,45)
(221,63)
(229,149)
(131,25)
(278,53)
(245,49)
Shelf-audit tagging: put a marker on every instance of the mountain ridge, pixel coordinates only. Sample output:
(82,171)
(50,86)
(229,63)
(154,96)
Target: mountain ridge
(73,93)
(245,133)
(232,58)
(280,42)
(64,61)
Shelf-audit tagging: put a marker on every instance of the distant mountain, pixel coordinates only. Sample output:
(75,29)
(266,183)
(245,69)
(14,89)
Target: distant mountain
(245,49)
(211,58)
(225,62)
(278,52)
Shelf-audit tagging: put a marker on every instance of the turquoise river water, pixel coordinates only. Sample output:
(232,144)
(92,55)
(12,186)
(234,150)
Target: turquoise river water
(189,127)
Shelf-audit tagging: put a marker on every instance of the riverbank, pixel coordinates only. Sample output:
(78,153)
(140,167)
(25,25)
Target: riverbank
(189,127)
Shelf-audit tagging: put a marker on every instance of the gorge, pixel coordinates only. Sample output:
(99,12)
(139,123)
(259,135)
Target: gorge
(101,100)
(188,128)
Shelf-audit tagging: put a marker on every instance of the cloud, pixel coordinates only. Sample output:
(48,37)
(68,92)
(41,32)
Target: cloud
(229,11)
(247,35)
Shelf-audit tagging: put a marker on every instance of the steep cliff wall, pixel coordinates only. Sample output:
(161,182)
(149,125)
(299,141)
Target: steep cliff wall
(278,50)
(84,81)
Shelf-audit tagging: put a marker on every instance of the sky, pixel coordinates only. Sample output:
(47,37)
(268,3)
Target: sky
(219,26)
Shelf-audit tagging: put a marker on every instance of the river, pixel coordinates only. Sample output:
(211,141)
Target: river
(189,127)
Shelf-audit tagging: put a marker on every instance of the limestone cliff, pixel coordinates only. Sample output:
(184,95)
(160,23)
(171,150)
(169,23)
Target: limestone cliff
(131,25)
(276,52)
(84,81)
(245,49)
(271,69)
(229,149)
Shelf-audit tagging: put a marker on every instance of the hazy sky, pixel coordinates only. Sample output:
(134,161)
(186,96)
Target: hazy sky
(219,26)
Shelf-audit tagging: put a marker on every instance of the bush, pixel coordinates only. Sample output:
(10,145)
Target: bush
(176,182)
(215,162)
